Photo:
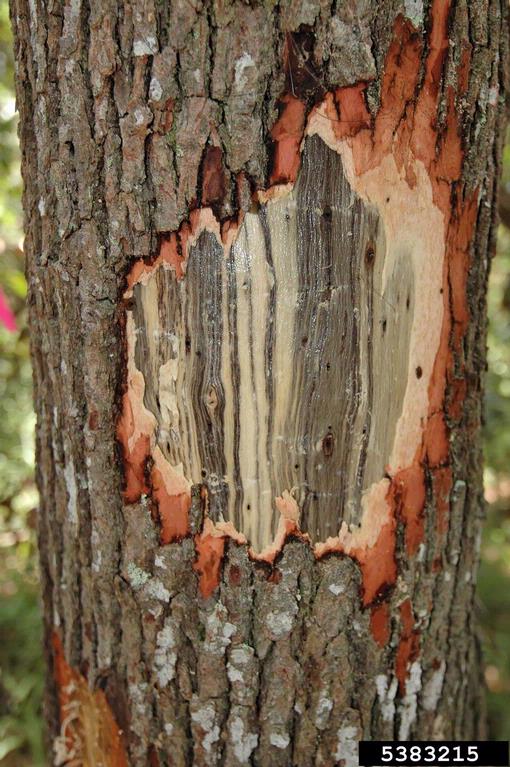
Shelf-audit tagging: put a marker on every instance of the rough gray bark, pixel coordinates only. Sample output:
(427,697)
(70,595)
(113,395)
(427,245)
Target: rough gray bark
(123,107)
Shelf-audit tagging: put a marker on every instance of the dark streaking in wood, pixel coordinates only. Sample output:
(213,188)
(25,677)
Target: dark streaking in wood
(267,366)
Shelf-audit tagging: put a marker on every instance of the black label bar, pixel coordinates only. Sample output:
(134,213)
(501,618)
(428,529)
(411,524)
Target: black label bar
(434,753)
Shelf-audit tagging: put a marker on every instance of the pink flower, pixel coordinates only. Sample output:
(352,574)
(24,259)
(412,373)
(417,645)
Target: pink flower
(7,318)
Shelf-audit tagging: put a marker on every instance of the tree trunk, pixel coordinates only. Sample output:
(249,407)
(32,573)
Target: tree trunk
(257,239)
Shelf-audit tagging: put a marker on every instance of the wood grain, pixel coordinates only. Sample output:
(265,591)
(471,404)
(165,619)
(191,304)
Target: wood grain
(279,364)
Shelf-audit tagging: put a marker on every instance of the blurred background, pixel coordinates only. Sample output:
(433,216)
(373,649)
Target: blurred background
(21,666)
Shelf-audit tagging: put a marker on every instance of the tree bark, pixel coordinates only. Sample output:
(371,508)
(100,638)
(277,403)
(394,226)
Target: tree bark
(258,238)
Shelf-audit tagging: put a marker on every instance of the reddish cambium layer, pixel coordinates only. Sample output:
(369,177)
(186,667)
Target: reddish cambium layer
(459,240)
(287,134)
(377,563)
(172,509)
(380,623)
(214,183)
(408,496)
(135,459)
(210,543)
(444,168)
(435,440)
(171,252)
(210,549)
(353,114)
(409,644)
(349,113)
(89,734)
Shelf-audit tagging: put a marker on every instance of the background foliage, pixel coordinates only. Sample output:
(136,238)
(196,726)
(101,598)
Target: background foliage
(494,577)
(21,666)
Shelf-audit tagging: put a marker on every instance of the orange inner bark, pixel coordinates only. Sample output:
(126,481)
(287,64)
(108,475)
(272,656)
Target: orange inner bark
(89,734)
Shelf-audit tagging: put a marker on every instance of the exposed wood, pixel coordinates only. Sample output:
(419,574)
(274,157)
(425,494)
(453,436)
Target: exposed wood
(258,363)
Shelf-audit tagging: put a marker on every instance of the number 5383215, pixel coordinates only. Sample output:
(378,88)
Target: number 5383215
(397,754)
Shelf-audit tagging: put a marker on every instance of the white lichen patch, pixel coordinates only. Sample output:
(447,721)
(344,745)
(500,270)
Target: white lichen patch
(347,746)
(279,740)
(146,47)
(322,712)
(408,706)
(433,687)
(280,624)
(211,737)
(336,589)
(239,658)
(244,742)
(493,95)
(386,692)
(97,557)
(218,630)
(136,576)
(243,62)
(414,11)
(205,717)
(139,696)
(234,675)
(139,116)
(155,590)
(72,490)
(155,90)
(165,656)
